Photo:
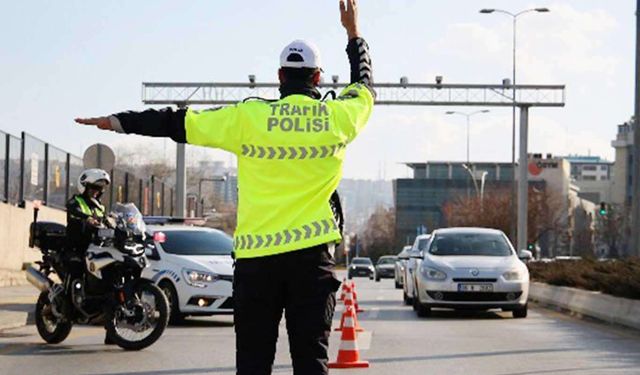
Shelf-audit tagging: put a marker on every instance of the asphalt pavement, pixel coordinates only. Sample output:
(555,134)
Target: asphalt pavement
(396,342)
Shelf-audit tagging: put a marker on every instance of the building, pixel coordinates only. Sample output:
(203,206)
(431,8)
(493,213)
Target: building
(206,178)
(593,176)
(571,227)
(419,200)
(589,168)
(622,170)
(361,198)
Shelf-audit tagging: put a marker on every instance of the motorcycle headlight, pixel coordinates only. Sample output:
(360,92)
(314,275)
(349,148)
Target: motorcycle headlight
(513,275)
(199,279)
(431,273)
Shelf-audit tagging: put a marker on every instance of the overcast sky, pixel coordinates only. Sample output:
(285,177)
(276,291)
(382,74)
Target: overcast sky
(61,59)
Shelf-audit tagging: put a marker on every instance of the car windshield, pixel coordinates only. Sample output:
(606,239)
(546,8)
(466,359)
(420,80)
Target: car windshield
(197,242)
(422,243)
(361,261)
(387,261)
(485,244)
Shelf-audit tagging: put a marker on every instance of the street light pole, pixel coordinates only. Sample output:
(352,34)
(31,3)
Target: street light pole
(482,180)
(514,207)
(468,116)
(635,182)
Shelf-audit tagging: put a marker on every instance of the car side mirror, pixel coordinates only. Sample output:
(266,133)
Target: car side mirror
(151,251)
(525,255)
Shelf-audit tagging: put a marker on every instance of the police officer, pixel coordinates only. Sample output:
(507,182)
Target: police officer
(85,214)
(290,154)
(84,210)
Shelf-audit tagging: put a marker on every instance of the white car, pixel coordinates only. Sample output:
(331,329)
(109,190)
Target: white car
(419,246)
(401,262)
(194,268)
(472,268)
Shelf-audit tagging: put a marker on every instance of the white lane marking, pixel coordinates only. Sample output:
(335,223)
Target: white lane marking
(373,313)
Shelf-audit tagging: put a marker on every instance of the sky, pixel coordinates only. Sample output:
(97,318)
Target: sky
(64,59)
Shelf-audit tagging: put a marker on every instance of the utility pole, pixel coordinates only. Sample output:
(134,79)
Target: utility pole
(635,192)
(523,183)
(181,176)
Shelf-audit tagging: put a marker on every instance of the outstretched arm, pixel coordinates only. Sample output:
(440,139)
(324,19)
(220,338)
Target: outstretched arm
(155,123)
(216,127)
(357,48)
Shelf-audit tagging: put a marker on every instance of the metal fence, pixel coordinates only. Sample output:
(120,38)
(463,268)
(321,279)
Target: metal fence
(31,169)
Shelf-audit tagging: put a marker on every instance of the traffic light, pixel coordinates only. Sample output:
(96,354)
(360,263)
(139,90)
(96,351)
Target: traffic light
(530,246)
(603,209)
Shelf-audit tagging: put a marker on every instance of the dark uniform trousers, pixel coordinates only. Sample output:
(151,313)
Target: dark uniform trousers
(301,283)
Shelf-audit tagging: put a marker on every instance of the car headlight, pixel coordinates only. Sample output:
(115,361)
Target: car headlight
(371,268)
(431,273)
(513,275)
(199,278)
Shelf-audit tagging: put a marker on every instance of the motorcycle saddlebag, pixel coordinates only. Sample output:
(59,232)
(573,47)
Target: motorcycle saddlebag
(47,235)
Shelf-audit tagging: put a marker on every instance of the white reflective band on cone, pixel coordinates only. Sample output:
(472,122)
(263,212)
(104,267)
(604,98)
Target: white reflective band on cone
(348,345)
(348,322)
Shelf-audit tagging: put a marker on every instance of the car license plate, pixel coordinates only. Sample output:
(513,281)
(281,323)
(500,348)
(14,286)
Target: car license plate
(475,288)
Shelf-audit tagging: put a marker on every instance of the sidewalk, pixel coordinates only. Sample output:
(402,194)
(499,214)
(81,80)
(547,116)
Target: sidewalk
(17,304)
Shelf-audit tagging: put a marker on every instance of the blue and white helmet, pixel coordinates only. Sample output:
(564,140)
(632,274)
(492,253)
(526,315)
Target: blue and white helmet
(93,177)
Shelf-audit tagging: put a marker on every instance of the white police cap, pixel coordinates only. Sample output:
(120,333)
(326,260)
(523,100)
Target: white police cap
(300,54)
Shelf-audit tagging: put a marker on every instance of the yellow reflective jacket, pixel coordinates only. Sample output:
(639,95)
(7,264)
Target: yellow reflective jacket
(290,154)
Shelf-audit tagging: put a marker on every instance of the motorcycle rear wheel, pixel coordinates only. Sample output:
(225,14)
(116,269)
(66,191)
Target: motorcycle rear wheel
(157,316)
(53,330)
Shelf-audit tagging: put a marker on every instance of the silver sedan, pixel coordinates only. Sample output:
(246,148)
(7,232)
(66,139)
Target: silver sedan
(471,268)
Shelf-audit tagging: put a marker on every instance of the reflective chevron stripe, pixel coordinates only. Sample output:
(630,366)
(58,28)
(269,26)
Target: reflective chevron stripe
(263,241)
(291,152)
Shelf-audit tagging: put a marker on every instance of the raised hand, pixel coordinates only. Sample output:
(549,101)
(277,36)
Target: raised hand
(100,122)
(349,17)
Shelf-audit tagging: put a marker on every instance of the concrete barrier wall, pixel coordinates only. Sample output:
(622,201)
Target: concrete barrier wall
(14,239)
(605,307)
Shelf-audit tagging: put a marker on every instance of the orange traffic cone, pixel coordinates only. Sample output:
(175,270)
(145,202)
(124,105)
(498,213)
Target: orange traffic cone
(348,354)
(348,303)
(345,288)
(355,298)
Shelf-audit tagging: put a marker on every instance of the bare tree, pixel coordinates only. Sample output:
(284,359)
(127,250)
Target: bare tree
(547,213)
(378,237)
(611,230)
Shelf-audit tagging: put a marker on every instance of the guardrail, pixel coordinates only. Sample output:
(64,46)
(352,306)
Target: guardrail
(31,169)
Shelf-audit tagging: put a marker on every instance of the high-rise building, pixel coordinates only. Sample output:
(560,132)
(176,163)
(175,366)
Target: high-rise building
(622,170)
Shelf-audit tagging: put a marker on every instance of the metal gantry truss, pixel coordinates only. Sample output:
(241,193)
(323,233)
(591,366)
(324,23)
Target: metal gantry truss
(204,93)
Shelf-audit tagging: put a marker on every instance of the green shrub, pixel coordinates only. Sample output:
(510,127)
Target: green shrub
(620,278)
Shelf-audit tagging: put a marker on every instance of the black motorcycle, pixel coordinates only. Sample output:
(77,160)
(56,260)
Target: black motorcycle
(110,291)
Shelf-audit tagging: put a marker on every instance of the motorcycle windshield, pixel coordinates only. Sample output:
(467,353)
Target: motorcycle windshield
(130,217)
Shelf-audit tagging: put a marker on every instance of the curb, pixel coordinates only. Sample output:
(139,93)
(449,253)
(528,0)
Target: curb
(615,310)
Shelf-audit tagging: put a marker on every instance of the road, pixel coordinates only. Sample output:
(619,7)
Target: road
(397,342)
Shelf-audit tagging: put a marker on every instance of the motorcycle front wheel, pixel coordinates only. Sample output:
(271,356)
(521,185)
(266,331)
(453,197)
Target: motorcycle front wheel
(52,329)
(142,320)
